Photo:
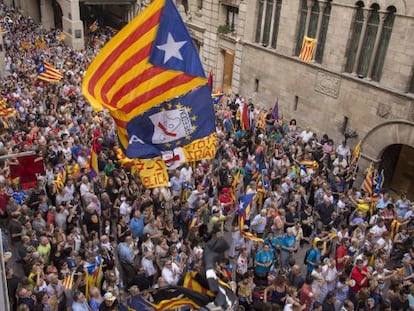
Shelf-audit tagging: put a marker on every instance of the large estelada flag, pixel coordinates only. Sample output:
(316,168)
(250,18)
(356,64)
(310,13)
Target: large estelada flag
(150,73)
(308,49)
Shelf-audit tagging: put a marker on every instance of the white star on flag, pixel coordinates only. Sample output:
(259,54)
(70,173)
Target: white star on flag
(171,48)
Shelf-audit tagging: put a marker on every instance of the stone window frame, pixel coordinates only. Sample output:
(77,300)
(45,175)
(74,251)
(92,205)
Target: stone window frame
(313,22)
(369,40)
(267,22)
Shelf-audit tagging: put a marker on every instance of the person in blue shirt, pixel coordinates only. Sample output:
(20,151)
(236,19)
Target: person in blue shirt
(263,262)
(287,247)
(383,201)
(137,224)
(273,242)
(313,258)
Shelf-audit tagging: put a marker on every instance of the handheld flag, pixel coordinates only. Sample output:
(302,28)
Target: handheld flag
(94,169)
(276,110)
(40,43)
(26,169)
(25,45)
(60,35)
(94,26)
(217,98)
(150,73)
(368,181)
(67,281)
(356,153)
(6,112)
(47,72)
(380,182)
(244,118)
(244,210)
(308,49)
(210,80)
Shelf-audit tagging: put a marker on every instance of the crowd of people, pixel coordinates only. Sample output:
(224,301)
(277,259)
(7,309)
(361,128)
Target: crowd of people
(358,248)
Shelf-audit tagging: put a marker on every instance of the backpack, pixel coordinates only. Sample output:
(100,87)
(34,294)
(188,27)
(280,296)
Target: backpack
(305,259)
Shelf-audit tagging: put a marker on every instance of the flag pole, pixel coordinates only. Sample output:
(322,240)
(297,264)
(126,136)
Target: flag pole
(17,155)
(356,164)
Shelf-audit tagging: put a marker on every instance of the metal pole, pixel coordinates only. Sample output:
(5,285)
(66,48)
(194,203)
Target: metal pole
(17,155)
(4,294)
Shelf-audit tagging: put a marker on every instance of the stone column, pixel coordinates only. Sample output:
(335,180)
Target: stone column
(72,24)
(322,6)
(262,26)
(272,23)
(308,15)
(383,16)
(361,39)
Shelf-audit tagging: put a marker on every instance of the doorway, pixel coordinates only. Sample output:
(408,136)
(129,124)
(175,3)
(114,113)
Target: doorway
(398,164)
(228,71)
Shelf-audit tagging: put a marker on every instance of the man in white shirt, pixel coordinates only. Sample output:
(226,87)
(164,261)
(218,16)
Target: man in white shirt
(147,263)
(186,174)
(125,208)
(343,149)
(259,222)
(306,135)
(171,272)
(86,191)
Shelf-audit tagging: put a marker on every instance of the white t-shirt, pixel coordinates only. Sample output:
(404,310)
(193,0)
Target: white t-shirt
(171,275)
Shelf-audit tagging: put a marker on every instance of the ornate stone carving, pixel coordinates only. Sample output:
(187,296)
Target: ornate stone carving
(328,84)
(383,110)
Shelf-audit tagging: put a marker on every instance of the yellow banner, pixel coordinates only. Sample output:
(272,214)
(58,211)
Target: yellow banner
(199,149)
(152,172)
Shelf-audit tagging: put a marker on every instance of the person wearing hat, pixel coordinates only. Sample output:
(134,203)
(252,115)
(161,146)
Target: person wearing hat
(218,219)
(111,303)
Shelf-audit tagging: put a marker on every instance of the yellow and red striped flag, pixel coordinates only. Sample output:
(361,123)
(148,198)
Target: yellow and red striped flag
(40,43)
(142,66)
(67,281)
(5,111)
(94,26)
(48,73)
(60,179)
(26,45)
(244,210)
(355,153)
(149,76)
(308,49)
(368,181)
(61,36)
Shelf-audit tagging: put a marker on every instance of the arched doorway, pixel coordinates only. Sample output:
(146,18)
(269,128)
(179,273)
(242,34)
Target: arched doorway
(390,145)
(398,163)
(57,14)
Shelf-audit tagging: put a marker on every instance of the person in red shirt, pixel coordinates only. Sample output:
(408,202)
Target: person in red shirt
(226,200)
(360,275)
(306,296)
(342,257)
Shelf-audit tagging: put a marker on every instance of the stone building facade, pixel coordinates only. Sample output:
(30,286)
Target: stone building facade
(360,80)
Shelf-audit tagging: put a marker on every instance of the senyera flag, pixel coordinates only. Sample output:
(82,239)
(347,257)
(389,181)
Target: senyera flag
(150,72)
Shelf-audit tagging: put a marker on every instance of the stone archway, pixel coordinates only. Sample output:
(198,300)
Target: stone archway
(390,146)
(384,135)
